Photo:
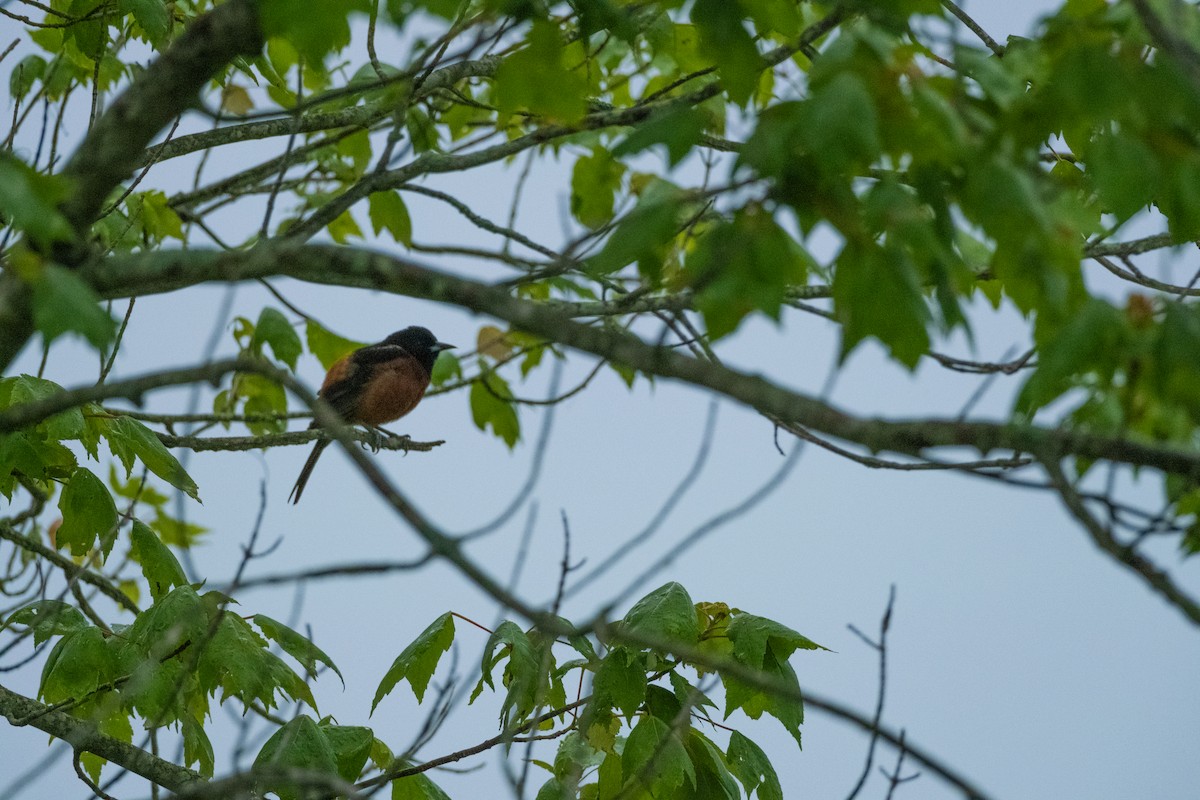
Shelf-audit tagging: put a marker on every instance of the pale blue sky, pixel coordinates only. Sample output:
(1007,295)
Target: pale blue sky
(1018,654)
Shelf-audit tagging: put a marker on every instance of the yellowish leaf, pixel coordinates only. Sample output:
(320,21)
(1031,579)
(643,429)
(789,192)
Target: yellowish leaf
(236,100)
(492,343)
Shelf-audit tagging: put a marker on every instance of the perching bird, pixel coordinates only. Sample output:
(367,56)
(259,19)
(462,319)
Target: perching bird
(376,384)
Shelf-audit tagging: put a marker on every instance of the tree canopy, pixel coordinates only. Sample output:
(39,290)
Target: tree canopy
(886,170)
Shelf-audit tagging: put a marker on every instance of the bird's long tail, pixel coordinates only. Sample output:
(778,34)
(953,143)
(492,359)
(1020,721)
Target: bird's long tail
(306,473)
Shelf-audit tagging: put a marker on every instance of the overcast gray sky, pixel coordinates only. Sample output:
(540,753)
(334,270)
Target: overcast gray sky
(1017,654)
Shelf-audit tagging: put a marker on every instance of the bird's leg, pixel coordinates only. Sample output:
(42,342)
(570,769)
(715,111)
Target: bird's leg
(379,435)
(375,438)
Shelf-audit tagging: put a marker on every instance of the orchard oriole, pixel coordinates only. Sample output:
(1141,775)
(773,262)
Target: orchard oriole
(376,384)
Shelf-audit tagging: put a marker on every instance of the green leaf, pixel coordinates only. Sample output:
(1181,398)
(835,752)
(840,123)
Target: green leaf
(594,183)
(752,767)
(642,235)
(388,212)
(129,439)
(523,674)
(159,220)
(535,78)
(552,789)
(678,128)
(876,292)
(79,664)
(88,513)
(328,347)
(713,778)
(351,745)
(575,755)
(490,407)
(64,303)
(1090,340)
(197,749)
(751,636)
(357,146)
(840,124)
(620,681)
(665,616)
(28,71)
(116,725)
(297,646)
(237,661)
(323,27)
(29,202)
(151,15)
(274,330)
(743,266)
(149,649)
(299,744)
(419,660)
(417,787)
(176,532)
(159,565)
(23,389)
(724,38)
(1125,172)
(343,227)
(655,757)
(753,701)
(47,618)
(446,368)
(30,454)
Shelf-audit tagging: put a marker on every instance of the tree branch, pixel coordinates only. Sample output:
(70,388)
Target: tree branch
(163,271)
(114,146)
(83,736)
(72,570)
(355,116)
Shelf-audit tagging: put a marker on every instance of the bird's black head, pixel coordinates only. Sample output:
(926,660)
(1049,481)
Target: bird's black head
(420,343)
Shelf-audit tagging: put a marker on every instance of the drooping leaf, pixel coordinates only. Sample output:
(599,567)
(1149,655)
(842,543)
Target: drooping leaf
(237,660)
(524,672)
(388,212)
(417,662)
(64,303)
(79,664)
(655,757)
(274,330)
(492,408)
(130,439)
(159,565)
(713,776)
(754,699)
(752,767)
(295,645)
(594,182)
(1089,340)
(89,515)
(877,293)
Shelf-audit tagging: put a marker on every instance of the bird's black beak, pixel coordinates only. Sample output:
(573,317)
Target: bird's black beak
(440,346)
